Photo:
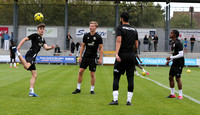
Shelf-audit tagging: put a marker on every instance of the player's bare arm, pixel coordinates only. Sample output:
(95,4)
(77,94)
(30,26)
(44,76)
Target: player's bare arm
(81,52)
(136,44)
(118,45)
(138,58)
(101,53)
(48,47)
(22,42)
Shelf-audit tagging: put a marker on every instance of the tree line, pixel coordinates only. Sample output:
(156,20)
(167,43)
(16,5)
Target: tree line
(142,14)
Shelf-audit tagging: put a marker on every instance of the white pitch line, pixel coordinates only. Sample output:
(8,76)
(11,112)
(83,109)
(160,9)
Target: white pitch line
(190,98)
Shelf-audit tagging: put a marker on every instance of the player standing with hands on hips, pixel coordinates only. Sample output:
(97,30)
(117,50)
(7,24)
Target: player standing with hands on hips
(37,41)
(126,45)
(177,65)
(91,41)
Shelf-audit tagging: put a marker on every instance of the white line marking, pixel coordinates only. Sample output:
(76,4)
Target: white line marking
(190,98)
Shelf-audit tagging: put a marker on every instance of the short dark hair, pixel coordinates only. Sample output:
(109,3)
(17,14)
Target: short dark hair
(125,16)
(176,32)
(42,25)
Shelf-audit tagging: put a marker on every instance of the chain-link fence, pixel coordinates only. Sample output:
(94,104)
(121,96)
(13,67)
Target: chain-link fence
(80,15)
(142,16)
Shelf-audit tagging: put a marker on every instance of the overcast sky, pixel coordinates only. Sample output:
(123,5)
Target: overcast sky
(181,6)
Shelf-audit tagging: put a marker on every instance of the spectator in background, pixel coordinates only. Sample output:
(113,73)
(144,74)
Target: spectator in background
(78,44)
(155,40)
(150,43)
(6,41)
(192,40)
(145,42)
(11,40)
(72,46)
(185,45)
(2,39)
(57,51)
(69,37)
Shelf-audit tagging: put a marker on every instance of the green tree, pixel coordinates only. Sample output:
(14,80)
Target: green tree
(182,20)
(81,13)
(144,14)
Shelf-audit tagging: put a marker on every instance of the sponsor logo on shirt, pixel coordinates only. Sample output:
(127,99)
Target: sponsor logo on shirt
(13,47)
(40,44)
(115,70)
(128,28)
(91,44)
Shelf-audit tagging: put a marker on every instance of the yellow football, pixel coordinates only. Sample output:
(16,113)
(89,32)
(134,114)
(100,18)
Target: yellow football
(38,17)
(188,71)
(143,74)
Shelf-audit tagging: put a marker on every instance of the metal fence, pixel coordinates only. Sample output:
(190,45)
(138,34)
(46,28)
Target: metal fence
(80,15)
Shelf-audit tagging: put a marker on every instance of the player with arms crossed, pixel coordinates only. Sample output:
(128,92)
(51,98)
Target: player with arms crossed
(37,42)
(177,65)
(127,39)
(92,41)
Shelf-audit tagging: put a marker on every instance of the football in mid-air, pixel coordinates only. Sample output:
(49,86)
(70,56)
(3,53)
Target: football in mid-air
(144,73)
(38,17)
(17,63)
(188,71)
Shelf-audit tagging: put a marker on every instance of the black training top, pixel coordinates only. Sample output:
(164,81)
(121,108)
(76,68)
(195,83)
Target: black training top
(192,39)
(37,42)
(92,43)
(129,35)
(176,47)
(12,49)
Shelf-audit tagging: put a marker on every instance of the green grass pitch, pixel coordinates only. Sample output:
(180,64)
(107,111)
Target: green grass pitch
(55,84)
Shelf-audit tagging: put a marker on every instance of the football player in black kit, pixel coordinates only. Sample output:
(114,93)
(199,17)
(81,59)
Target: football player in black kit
(12,55)
(177,65)
(127,38)
(91,41)
(37,42)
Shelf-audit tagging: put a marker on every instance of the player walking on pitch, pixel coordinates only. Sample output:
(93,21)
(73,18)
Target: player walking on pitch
(177,65)
(92,41)
(127,38)
(37,42)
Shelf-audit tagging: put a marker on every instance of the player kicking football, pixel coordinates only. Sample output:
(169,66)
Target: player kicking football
(92,41)
(37,41)
(177,65)
(137,58)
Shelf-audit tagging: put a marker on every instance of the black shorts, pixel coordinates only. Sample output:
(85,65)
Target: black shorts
(127,65)
(176,70)
(88,62)
(12,56)
(30,58)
